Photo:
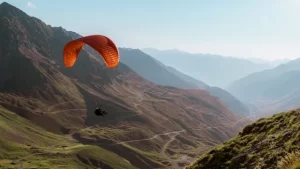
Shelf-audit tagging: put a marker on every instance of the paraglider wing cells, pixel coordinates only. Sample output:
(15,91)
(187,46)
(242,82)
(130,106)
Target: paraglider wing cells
(102,44)
(71,52)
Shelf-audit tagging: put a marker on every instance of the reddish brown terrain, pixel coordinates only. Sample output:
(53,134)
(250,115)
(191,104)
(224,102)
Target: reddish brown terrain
(149,125)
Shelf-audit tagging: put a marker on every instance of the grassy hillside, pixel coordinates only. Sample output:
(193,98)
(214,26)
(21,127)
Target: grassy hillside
(263,144)
(23,143)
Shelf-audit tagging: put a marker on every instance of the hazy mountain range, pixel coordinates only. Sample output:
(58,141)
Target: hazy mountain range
(273,63)
(271,90)
(215,70)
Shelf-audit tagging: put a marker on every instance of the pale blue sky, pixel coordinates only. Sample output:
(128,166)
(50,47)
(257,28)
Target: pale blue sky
(268,29)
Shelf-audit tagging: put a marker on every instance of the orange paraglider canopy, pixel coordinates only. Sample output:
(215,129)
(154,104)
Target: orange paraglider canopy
(102,44)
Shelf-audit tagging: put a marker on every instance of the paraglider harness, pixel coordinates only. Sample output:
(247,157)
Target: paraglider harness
(100,112)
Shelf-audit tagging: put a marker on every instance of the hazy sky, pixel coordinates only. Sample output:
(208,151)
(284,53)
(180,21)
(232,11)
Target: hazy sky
(268,29)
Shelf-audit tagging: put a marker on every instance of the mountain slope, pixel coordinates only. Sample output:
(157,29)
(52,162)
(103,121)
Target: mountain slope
(151,70)
(28,145)
(158,73)
(273,63)
(271,90)
(187,78)
(262,144)
(232,102)
(214,70)
(149,125)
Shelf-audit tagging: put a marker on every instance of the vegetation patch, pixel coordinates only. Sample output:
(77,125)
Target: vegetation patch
(262,144)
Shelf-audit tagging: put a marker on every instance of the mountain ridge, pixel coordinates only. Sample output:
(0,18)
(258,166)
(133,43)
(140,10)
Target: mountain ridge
(215,70)
(270,90)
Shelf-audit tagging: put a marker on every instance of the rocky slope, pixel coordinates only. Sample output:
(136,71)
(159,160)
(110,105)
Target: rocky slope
(148,125)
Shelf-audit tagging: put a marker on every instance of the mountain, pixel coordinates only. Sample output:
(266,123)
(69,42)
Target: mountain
(266,143)
(215,70)
(156,72)
(152,70)
(271,90)
(273,63)
(232,102)
(47,111)
(185,77)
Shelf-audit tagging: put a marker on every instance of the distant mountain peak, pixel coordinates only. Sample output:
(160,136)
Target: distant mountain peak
(131,49)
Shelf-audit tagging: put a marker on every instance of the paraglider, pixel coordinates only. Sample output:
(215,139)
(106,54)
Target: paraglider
(100,112)
(102,44)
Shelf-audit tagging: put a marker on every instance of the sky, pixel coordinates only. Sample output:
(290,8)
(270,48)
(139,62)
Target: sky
(265,29)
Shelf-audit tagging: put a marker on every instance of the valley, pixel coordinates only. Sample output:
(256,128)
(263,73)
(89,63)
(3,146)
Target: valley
(165,108)
(148,124)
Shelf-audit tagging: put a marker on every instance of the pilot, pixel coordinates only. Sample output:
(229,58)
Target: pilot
(100,112)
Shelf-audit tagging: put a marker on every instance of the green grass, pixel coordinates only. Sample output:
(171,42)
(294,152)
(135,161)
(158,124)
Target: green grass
(259,145)
(16,126)
(153,155)
(290,161)
(95,152)
(23,142)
